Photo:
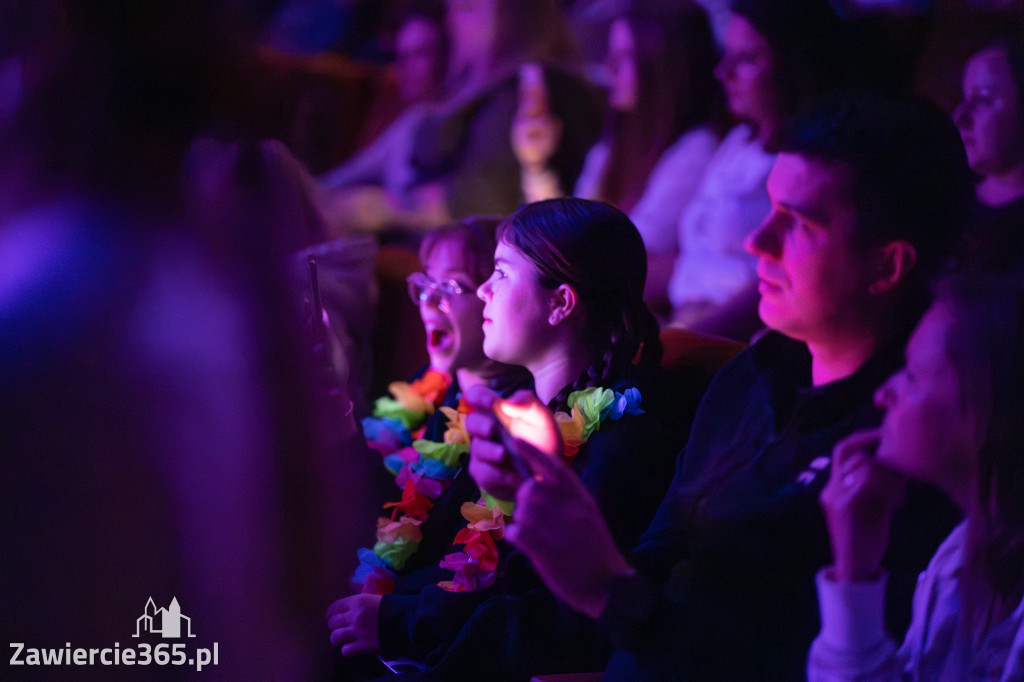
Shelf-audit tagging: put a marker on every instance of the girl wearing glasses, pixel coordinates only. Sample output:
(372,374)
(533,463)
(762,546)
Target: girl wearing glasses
(408,429)
(565,301)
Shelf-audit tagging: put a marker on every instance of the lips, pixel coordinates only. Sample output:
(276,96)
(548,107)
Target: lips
(438,337)
(768,283)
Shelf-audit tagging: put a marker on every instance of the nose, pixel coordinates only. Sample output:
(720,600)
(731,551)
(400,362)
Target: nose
(483,292)
(886,392)
(962,115)
(766,239)
(721,70)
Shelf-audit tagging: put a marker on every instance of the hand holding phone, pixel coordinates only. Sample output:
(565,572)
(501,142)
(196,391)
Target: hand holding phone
(531,422)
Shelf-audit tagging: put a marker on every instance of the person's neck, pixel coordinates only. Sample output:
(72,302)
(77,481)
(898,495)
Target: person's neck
(481,374)
(839,357)
(556,370)
(998,190)
(767,130)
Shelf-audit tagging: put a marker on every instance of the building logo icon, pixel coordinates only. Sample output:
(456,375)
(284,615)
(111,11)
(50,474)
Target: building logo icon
(167,621)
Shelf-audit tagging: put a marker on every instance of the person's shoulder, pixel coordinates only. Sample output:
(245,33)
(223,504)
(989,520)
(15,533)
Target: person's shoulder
(701,139)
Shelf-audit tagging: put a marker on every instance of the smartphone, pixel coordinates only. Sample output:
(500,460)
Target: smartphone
(531,423)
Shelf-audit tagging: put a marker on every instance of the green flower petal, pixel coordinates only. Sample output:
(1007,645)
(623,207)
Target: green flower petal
(448,453)
(591,402)
(391,408)
(396,553)
(491,501)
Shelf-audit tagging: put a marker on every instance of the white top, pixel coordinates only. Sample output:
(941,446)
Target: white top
(729,203)
(670,186)
(853,644)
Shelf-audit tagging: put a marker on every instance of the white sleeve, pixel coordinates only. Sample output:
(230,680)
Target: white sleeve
(852,644)
(670,186)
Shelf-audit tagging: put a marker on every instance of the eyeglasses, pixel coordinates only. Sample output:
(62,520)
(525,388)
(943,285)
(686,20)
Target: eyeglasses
(423,289)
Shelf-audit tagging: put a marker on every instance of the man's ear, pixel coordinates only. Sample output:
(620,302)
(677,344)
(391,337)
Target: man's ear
(564,301)
(895,261)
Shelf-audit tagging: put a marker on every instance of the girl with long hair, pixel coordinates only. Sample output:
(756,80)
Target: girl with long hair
(664,119)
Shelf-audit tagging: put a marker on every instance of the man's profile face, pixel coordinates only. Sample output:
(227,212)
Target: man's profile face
(813,280)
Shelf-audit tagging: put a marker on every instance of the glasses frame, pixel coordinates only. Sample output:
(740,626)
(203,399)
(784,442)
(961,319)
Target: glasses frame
(422,289)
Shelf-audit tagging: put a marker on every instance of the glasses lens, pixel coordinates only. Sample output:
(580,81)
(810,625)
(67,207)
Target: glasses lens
(418,284)
(422,288)
(449,288)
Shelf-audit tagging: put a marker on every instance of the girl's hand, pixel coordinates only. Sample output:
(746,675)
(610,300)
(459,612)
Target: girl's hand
(495,425)
(559,526)
(353,624)
(859,500)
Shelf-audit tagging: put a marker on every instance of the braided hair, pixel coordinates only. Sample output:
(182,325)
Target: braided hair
(595,248)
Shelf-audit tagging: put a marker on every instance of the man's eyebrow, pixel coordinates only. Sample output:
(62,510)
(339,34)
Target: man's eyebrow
(807,213)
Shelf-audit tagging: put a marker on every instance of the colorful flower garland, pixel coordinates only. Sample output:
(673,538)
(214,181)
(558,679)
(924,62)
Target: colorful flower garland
(476,565)
(423,470)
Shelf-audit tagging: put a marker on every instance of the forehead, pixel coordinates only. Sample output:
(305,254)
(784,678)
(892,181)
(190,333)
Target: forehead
(988,68)
(620,37)
(927,345)
(417,33)
(447,255)
(811,187)
(741,36)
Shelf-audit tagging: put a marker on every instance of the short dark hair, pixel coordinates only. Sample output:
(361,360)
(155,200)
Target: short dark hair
(910,175)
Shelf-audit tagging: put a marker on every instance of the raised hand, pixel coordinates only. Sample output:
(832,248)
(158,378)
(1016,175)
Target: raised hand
(494,425)
(859,500)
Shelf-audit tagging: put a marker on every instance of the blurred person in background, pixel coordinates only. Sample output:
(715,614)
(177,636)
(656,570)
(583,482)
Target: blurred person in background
(664,120)
(163,437)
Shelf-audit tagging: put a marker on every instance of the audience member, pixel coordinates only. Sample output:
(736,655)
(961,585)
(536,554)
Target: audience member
(952,419)
(991,122)
(777,52)
(868,198)
(663,124)
(159,417)
(464,149)
(457,258)
(565,301)
(383,171)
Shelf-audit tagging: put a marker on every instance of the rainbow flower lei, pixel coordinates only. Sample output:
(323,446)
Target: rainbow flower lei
(423,469)
(476,565)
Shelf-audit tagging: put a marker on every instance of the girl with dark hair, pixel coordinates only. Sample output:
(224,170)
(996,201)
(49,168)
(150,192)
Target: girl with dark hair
(408,427)
(565,301)
(991,123)
(665,117)
(953,420)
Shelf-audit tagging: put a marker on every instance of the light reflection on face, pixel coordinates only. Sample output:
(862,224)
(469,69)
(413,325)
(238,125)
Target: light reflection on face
(990,118)
(417,51)
(454,337)
(813,281)
(516,309)
(928,432)
(747,73)
(621,62)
